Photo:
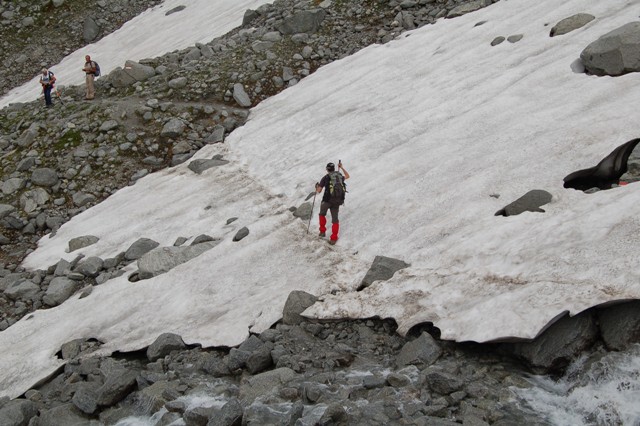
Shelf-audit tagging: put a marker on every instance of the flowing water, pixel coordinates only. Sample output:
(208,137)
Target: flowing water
(600,389)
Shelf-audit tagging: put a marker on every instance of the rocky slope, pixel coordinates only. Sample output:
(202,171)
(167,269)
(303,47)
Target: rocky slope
(58,162)
(37,34)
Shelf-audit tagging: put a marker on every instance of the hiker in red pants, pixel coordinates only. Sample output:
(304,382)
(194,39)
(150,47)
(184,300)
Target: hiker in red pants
(333,198)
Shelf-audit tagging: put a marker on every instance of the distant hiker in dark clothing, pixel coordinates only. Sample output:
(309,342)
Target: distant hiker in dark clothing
(47,79)
(90,71)
(333,198)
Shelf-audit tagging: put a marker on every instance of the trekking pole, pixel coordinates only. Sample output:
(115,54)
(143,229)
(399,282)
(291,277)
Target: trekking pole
(59,96)
(315,192)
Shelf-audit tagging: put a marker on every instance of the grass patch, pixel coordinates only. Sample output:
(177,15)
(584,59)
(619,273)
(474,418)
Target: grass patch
(70,139)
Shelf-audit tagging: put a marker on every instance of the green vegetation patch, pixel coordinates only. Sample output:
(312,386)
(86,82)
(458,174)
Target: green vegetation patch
(72,138)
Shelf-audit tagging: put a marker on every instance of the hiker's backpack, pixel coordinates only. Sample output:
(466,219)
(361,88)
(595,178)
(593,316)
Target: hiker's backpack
(97,73)
(337,188)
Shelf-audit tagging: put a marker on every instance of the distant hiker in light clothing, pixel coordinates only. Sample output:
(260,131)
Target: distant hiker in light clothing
(333,198)
(90,71)
(47,79)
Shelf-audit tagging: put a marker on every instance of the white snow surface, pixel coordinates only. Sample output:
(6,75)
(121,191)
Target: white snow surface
(429,126)
(148,35)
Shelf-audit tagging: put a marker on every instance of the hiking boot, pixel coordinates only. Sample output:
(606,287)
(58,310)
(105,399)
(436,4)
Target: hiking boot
(333,242)
(322,235)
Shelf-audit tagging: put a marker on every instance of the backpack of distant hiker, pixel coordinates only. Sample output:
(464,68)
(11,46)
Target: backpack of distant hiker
(97,73)
(337,189)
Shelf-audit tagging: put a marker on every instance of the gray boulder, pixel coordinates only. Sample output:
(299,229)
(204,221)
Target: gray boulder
(12,185)
(216,136)
(242,233)
(118,384)
(22,289)
(109,125)
(442,382)
(138,71)
(620,325)
(82,242)
(264,384)
(382,269)
(139,248)
(90,30)
(304,211)
(81,199)
(26,164)
(571,23)
(31,200)
(230,414)
(6,210)
(240,96)
(178,83)
(558,345)
(162,259)
(60,289)
(465,8)
(66,414)
(200,165)
(44,177)
(424,350)
(529,202)
(193,55)
(90,267)
(28,136)
(119,78)
(164,345)
(297,302)
(306,21)
(86,398)
(173,128)
(175,9)
(17,412)
(615,53)
(249,17)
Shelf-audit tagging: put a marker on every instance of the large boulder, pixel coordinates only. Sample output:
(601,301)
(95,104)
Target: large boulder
(44,177)
(17,412)
(163,259)
(81,242)
(571,23)
(66,414)
(31,200)
(138,71)
(139,248)
(382,269)
(304,21)
(119,78)
(240,95)
(164,345)
(201,164)
(558,345)
(118,384)
(6,210)
(22,289)
(615,53)
(90,30)
(60,289)
(620,325)
(296,303)
(173,128)
(422,351)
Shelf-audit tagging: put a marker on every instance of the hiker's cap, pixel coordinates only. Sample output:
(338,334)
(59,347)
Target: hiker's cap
(331,167)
